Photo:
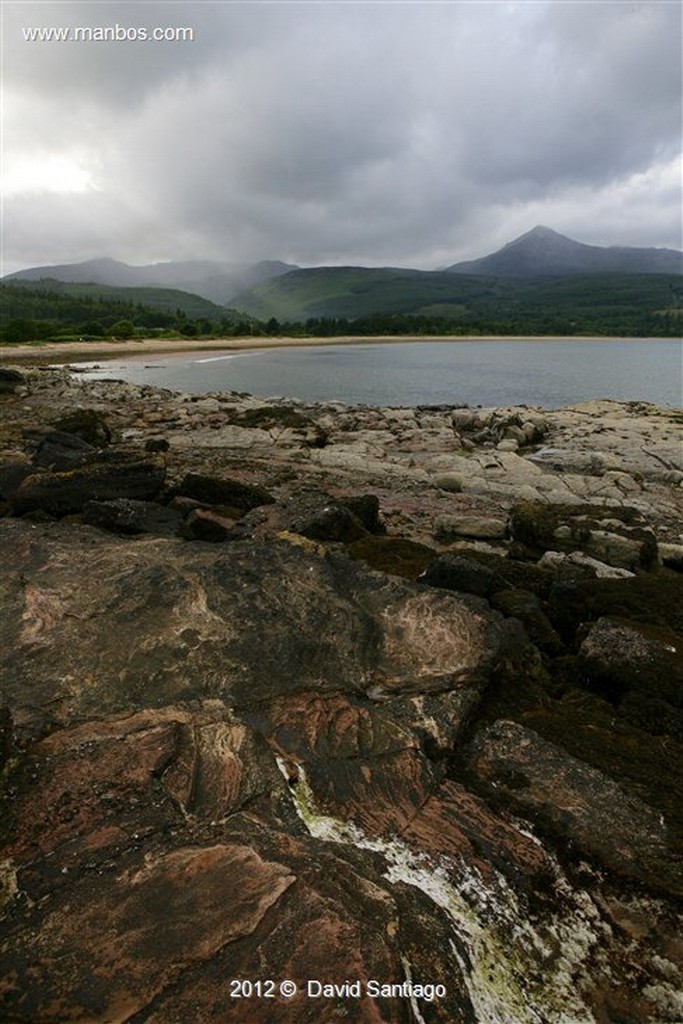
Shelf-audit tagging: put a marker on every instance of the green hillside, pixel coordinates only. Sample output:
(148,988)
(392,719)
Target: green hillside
(39,311)
(360,291)
(165,300)
(628,304)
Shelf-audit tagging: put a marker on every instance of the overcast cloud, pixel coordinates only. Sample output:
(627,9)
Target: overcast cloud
(412,134)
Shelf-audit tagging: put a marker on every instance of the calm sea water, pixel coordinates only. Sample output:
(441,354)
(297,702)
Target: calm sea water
(544,373)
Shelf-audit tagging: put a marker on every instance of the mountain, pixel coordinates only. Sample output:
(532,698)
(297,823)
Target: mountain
(543,252)
(213,280)
(376,298)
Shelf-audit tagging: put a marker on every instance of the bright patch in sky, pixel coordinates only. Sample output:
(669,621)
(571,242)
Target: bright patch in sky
(58,174)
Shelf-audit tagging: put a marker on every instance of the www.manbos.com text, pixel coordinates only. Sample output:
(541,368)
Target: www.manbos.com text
(109,34)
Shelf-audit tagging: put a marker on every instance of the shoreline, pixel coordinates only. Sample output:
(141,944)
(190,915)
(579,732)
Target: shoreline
(86,351)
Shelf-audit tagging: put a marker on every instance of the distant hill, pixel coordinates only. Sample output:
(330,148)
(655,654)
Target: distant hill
(628,304)
(357,291)
(544,252)
(165,300)
(216,281)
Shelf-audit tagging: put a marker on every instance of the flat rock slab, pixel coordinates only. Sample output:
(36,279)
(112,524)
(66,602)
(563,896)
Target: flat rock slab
(95,625)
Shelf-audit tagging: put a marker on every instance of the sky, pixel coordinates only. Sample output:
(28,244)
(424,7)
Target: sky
(376,133)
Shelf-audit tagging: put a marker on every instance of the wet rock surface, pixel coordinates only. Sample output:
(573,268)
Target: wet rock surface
(277,704)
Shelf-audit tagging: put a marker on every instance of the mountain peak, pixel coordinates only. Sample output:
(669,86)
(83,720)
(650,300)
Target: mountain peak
(543,252)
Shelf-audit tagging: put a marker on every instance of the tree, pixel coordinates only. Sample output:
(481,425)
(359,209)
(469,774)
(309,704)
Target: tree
(123,329)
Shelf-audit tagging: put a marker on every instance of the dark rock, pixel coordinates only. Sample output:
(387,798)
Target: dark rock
(62,493)
(6,735)
(267,417)
(651,598)
(579,804)
(11,475)
(88,424)
(127,516)
(460,573)
(10,380)
(332,522)
(209,525)
(365,508)
(618,747)
(618,536)
(395,555)
(652,715)
(525,606)
(620,656)
(59,451)
(157,444)
(222,491)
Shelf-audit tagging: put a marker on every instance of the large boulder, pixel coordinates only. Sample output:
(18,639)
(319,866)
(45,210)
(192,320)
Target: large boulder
(10,380)
(59,451)
(129,517)
(618,536)
(213,490)
(88,424)
(578,804)
(62,493)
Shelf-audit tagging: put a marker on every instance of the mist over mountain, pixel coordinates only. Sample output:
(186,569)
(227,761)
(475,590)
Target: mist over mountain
(214,280)
(543,252)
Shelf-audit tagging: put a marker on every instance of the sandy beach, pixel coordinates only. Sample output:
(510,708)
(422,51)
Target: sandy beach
(86,351)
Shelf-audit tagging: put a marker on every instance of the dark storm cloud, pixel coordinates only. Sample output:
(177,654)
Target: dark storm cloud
(411,133)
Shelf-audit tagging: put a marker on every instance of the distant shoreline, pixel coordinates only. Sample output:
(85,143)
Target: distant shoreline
(87,351)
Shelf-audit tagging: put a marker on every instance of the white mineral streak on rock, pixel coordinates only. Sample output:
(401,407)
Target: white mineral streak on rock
(413,1001)
(497,972)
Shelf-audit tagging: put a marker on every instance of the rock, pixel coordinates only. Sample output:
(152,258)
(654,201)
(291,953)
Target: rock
(333,522)
(449,526)
(59,451)
(620,656)
(567,460)
(223,491)
(525,606)
(328,624)
(394,555)
(449,482)
(6,737)
(578,804)
(129,517)
(157,444)
(672,556)
(508,444)
(272,727)
(208,524)
(88,424)
(618,536)
(560,562)
(11,475)
(365,507)
(62,493)
(10,380)
(460,573)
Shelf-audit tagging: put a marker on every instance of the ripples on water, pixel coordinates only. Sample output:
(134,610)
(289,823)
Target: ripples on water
(544,373)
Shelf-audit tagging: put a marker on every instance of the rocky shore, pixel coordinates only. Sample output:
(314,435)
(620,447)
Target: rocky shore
(338,694)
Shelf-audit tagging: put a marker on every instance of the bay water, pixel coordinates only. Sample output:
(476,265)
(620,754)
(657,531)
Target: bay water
(538,372)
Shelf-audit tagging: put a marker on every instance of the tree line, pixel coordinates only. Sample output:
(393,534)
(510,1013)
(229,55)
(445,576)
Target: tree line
(34,315)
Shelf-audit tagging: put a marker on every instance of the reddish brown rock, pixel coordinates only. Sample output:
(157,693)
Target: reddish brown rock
(580,805)
(157,917)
